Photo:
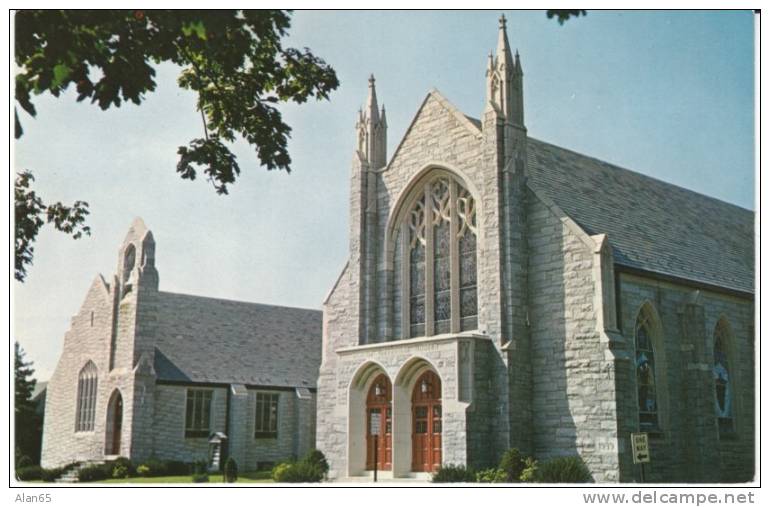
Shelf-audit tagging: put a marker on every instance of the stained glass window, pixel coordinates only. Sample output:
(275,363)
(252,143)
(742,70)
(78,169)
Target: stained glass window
(445,214)
(442,311)
(723,388)
(645,375)
(417,283)
(86,400)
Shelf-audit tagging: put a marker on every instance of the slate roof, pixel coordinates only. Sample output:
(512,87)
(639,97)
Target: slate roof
(652,225)
(207,340)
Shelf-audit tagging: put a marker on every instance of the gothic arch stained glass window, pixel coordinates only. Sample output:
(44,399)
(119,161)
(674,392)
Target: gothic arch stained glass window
(434,264)
(645,373)
(723,383)
(86,401)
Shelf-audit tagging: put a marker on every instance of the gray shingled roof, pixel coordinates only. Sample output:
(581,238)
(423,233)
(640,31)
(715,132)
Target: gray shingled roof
(202,339)
(652,225)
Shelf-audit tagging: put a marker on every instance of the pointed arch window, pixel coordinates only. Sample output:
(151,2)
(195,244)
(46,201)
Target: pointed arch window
(646,385)
(434,263)
(723,382)
(86,400)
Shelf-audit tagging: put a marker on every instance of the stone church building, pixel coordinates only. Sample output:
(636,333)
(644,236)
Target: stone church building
(500,292)
(152,374)
(504,292)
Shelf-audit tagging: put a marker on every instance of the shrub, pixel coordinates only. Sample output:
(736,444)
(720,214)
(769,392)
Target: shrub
(29,473)
(120,468)
(143,471)
(119,472)
(491,475)
(317,458)
(200,472)
(24,461)
(303,472)
(453,473)
(530,469)
(92,473)
(569,469)
(51,474)
(512,463)
(231,470)
(279,471)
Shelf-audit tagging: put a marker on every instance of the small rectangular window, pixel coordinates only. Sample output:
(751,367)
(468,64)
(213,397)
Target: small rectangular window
(198,413)
(266,416)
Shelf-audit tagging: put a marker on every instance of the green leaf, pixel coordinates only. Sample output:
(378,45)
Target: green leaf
(195,27)
(60,73)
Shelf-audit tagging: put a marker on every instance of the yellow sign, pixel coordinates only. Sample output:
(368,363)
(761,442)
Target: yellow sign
(640,448)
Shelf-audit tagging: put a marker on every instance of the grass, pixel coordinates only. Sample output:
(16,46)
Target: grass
(245,477)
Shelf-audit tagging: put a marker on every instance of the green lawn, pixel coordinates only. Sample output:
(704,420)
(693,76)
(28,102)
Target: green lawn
(246,477)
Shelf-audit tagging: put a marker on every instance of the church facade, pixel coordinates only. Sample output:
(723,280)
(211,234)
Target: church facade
(151,374)
(503,292)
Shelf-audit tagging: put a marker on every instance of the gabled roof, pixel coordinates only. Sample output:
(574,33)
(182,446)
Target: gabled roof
(652,225)
(207,340)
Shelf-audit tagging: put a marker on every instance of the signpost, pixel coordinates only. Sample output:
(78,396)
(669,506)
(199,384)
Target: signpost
(374,429)
(640,450)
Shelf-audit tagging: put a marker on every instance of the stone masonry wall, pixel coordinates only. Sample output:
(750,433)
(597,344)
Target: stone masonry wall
(688,426)
(170,412)
(573,398)
(88,339)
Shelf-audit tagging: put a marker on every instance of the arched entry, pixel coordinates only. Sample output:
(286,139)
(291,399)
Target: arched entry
(379,411)
(114,424)
(426,423)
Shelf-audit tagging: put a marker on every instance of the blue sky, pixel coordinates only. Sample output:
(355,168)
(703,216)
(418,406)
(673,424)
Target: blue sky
(668,94)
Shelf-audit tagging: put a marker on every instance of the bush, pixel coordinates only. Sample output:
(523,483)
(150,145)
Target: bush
(512,463)
(119,472)
(200,472)
(143,471)
(317,458)
(93,473)
(530,469)
(570,469)
(279,471)
(51,474)
(303,472)
(24,461)
(231,470)
(453,473)
(29,473)
(120,468)
(491,475)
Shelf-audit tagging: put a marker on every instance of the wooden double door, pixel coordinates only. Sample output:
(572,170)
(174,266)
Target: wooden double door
(426,423)
(379,424)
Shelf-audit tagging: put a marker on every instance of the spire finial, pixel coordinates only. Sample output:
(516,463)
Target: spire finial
(371,79)
(502,21)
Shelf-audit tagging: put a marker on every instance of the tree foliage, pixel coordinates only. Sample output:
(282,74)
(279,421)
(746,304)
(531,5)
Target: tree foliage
(564,15)
(31,213)
(27,423)
(233,60)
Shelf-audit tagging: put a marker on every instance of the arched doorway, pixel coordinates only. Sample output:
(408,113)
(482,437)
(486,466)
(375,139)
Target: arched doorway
(114,424)
(426,423)
(379,412)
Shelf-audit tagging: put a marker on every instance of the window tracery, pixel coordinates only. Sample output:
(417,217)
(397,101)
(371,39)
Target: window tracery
(435,262)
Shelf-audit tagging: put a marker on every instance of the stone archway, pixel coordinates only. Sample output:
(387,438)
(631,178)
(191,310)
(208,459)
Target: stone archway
(415,403)
(362,399)
(114,424)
